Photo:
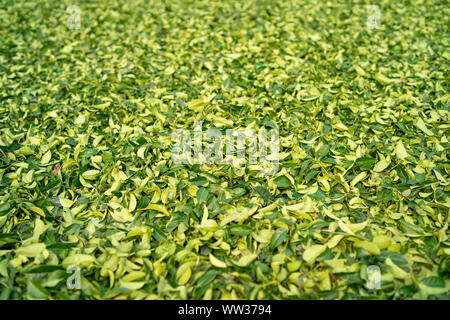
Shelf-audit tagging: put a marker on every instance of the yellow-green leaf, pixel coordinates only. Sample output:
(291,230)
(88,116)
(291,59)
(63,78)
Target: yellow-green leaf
(216,262)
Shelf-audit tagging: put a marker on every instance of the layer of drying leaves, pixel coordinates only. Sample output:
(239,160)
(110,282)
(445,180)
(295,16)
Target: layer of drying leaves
(87,180)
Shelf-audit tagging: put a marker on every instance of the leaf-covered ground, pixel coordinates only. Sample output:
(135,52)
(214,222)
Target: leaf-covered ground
(86,176)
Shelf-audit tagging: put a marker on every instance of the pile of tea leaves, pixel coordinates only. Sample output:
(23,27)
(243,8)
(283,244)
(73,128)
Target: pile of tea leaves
(88,187)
